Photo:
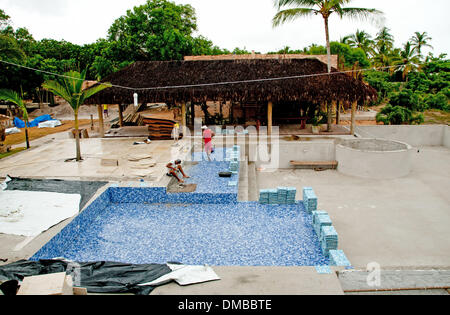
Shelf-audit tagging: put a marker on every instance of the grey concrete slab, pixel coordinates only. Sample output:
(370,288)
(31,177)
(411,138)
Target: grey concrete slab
(400,222)
(261,281)
(395,279)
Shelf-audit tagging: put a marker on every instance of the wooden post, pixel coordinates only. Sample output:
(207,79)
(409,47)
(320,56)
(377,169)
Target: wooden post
(192,113)
(329,118)
(183,116)
(338,112)
(120,116)
(352,128)
(269,118)
(101,128)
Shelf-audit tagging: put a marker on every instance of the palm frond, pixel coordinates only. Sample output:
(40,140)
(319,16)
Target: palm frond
(291,14)
(14,97)
(360,13)
(58,89)
(11,96)
(286,3)
(94,90)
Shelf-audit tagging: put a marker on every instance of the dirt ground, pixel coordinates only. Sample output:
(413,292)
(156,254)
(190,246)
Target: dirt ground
(36,133)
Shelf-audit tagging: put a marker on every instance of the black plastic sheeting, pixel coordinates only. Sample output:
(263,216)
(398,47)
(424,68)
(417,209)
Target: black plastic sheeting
(84,188)
(96,277)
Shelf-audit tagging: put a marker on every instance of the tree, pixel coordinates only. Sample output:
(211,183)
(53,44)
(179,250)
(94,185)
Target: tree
(69,87)
(361,40)
(303,8)
(384,39)
(13,97)
(420,40)
(157,30)
(409,60)
(10,50)
(4,20)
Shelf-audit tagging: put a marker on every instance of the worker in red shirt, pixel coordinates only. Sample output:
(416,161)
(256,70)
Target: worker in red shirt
(207,137)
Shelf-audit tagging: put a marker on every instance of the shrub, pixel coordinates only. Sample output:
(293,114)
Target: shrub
(438,101)
(409,99)
(398,115)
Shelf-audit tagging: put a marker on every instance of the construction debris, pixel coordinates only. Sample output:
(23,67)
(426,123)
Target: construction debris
(50,284)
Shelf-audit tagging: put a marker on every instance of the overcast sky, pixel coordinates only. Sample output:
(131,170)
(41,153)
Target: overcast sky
(232,23)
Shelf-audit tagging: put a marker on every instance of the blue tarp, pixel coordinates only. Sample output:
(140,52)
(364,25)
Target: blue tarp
(21,124)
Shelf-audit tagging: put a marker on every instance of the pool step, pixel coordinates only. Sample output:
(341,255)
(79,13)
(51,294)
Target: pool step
(243,181)
(252,182)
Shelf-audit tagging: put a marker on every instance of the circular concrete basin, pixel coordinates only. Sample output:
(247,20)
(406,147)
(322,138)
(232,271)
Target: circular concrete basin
(374,158)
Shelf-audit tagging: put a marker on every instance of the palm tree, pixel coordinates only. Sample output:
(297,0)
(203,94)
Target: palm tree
(362,40)
(345,40)
(13,97)
(420,40)
(384,40)
(303,8)
(69,87)
(409,60)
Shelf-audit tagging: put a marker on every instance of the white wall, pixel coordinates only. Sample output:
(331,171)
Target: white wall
(446,140)
(424,135)
(306,151)
(324,150)
(372,164)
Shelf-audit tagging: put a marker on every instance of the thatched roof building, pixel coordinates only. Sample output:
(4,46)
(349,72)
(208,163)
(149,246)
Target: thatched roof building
(228,80)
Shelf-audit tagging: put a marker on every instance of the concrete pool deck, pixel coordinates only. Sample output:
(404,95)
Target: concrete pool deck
(48,160)
(400,222)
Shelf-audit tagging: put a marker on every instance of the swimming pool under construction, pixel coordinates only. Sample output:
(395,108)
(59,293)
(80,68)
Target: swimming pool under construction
(209,226)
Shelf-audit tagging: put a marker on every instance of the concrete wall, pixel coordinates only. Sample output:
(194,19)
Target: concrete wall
(306,151)
(368,163)
(446,140)
(425,135)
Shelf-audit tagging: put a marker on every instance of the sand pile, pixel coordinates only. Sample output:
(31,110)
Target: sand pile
(64,111)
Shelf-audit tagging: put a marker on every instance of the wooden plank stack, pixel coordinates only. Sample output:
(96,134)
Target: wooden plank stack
(159,129)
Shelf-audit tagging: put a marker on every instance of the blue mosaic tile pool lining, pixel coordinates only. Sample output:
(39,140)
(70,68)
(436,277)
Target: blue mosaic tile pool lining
(224,235)
(147,225)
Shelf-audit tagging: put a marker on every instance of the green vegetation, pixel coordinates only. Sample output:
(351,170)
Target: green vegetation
(409,81)
(294,9)
(9,153)
(70,88)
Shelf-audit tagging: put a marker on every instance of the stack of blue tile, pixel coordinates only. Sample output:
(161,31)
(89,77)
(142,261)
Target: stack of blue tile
(316,213)
(234,166)
(264,196)
(291,193)
(321,221)
(282,195)
(328,239)
(338,258)
(233,156)
(309,199)
(273,196)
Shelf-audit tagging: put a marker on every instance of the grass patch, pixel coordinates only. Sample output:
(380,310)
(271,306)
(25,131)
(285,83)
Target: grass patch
(14,151)
(436,116)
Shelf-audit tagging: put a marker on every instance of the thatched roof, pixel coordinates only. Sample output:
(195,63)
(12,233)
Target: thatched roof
(181,73)
(323,58)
